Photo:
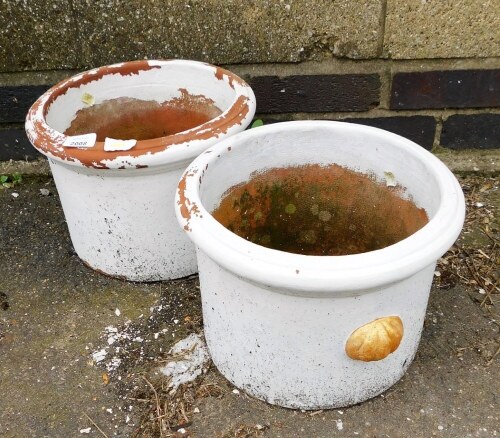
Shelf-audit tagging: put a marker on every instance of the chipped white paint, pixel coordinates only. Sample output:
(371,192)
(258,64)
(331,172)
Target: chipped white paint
(190,357)
(122,222)
(276,323)
(165,80)
(119,210)
(99,356)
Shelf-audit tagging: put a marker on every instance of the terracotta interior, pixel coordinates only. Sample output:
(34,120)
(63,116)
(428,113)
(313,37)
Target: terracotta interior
(317,210)
(129,118)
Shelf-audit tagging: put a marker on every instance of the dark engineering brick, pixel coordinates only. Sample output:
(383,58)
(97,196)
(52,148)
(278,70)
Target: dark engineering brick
(481,131)
(16,101)
(446,89)
(420,129)
(14,145)
(316,93)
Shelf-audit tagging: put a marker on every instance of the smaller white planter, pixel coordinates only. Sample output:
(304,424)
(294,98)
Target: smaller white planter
(119,204)
(316,332)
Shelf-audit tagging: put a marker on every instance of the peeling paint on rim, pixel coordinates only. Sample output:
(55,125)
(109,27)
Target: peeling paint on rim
(156,151)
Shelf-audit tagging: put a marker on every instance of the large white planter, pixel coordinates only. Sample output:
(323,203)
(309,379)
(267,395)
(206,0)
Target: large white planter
(119,204)
(283,326)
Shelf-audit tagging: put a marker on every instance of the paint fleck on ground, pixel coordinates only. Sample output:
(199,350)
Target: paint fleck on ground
(143,340)
(189,360)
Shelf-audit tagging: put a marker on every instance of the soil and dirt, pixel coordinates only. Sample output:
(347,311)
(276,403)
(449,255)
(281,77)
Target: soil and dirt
(319,210)
(55,313)
(129,118)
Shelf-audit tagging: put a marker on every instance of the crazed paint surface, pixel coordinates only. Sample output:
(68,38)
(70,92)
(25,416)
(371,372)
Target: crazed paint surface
(49,141)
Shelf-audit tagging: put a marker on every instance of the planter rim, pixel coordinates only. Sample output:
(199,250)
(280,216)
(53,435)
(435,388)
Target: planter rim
(174,148)
(320,276)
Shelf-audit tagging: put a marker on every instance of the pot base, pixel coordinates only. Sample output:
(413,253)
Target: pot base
(123,224)
(308,404)
(290,350)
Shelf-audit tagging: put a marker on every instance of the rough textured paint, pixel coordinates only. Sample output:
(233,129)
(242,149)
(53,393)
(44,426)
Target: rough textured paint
(289,351)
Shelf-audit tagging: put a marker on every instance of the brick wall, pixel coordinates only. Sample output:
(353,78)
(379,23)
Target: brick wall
(457,109)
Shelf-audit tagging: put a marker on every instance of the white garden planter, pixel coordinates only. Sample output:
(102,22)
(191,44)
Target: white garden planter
(119,204)
(284,327)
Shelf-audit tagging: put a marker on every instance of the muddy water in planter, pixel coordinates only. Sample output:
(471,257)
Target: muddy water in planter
(317,210)
(128,118)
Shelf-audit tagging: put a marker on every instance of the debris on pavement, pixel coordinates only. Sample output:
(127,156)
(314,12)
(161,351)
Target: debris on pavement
(474,259)
(190,359)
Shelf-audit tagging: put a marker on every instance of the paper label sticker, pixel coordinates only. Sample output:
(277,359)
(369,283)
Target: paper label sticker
(113,144)
(80,141)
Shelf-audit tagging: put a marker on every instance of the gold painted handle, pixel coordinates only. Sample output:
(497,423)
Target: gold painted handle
(375,340)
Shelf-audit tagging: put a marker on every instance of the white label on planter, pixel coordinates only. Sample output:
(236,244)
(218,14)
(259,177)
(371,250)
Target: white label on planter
(80,141)
(112,144)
